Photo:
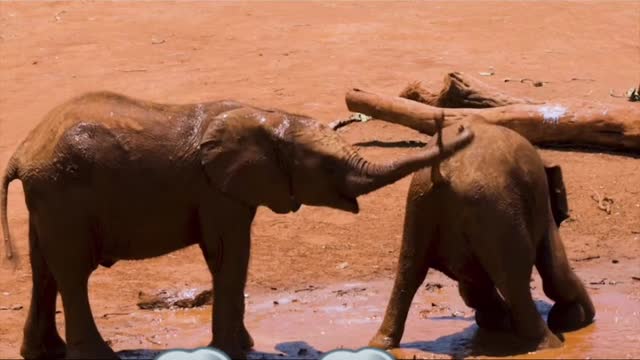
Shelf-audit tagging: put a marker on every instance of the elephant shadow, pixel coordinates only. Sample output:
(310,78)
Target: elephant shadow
(392,144)
(286,350)
(289,350)
(473,341)
(590,150)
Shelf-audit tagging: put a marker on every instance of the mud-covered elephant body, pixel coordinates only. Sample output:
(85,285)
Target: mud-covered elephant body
(485,218)
(107,178)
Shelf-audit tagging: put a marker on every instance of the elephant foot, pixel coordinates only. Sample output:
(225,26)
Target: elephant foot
(494,320)
(53,348)
(569,317)
(236,348)
(549,341)
(383,342)
(246,341)
(92,351)
(233,351)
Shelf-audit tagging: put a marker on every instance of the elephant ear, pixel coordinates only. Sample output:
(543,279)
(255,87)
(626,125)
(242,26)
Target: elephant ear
(557,193)
(240,158)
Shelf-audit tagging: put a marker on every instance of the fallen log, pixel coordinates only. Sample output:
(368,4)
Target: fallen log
(572,122)
(459,91)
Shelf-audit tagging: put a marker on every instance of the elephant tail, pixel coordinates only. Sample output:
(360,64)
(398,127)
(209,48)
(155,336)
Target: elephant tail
(11,173)
(436,175)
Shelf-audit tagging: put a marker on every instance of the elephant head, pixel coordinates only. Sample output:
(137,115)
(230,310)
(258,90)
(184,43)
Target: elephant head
(281,160)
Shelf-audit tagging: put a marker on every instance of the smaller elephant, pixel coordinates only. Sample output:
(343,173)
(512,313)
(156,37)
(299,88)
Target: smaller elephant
(107,178)
(485,217)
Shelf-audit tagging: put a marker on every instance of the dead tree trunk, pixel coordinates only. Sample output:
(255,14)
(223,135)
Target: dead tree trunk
(460,91)
(573,123)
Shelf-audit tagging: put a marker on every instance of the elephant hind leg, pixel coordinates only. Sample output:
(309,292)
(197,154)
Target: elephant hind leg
(573,308)
(526,321)
(412,269)
(509,265)
(69,253)
(492,313)
(41,338)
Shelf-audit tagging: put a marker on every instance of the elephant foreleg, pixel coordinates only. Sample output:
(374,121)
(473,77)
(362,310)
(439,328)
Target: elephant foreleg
(41,338)
(230,276)
(573,308)
(213,261)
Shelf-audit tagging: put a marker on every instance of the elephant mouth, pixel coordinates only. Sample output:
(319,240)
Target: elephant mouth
(351,204)
(285,208)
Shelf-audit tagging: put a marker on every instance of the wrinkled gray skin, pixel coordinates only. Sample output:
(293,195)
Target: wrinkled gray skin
(485,219)
(107,178)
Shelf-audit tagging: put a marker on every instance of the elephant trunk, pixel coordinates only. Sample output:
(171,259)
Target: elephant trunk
(367,177)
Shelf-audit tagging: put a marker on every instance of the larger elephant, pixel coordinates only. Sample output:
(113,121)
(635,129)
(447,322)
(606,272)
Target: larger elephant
(107,177)
(484,217)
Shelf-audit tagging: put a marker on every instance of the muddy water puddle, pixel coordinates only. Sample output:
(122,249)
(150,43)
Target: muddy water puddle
(303,324)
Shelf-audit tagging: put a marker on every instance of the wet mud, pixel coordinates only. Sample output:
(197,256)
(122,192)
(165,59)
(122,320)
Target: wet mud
(320,278)
(303,324)
(181,299)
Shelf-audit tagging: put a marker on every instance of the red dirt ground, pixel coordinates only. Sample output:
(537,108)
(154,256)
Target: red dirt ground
(302,57)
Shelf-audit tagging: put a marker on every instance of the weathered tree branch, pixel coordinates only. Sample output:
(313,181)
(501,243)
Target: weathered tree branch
(461,91)
(574,123)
